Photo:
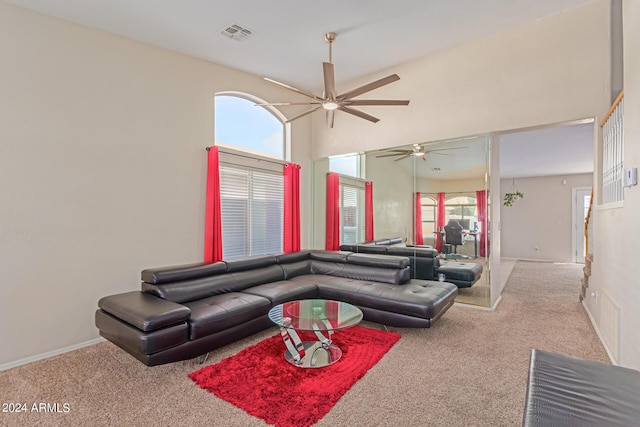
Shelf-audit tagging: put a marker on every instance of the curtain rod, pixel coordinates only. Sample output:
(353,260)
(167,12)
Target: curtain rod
(256,158)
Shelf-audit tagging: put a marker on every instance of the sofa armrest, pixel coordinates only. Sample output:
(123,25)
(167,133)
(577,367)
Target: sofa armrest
(144,311)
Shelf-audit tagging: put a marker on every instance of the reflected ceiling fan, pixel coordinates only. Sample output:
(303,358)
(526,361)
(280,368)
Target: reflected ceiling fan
(330,101)
(418,151)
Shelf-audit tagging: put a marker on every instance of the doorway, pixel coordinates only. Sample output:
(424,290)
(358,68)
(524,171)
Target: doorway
(580,207)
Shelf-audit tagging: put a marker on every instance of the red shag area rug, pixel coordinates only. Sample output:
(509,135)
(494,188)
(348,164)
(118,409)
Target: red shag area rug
(261,382)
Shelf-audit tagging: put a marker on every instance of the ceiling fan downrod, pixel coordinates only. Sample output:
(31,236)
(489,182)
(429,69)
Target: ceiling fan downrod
(330,38)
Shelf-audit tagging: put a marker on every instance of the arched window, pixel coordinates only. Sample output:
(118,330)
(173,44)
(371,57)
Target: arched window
(464,210)
(240,124)
(251,176)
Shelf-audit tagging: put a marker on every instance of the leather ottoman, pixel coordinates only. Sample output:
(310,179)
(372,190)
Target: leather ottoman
(461,274)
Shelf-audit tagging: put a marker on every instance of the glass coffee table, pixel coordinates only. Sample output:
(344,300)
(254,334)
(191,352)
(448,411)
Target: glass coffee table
(319,316)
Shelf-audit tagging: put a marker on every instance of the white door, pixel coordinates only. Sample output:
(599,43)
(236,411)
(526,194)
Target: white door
(581,200)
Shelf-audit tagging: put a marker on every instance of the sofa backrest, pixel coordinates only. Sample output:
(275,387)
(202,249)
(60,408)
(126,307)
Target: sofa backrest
(184,283)
(369,267)
(295,263)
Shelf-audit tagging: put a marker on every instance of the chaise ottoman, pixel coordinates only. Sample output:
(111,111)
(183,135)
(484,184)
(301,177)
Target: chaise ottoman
(461,274)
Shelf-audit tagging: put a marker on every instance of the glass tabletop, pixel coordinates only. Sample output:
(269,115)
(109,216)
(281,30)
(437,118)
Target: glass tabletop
(315,315)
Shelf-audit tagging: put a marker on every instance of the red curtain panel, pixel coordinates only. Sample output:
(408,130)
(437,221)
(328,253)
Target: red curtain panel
(368,211)
(333,212)
(291,232)
(440,221)
(481,206)
(213,215)
(418,237)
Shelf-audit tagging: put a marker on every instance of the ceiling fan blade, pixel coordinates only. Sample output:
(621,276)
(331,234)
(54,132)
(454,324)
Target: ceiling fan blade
(444,149)
(402,157)
(369,87)
(286,86)
(393,154)
(439,154)
(359,114)
(375,102)
(330,116)
(273,104)
(303,114)
(329,81)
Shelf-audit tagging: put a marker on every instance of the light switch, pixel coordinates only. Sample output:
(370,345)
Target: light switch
(630,177)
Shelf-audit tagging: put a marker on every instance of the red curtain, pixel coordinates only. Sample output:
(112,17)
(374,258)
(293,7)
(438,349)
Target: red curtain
(213,215)
(418,238)
(333,212)
(440,221)
(481,206)
(291,232)
(368,211)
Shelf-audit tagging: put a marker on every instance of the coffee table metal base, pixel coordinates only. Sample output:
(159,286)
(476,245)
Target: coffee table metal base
(316,355)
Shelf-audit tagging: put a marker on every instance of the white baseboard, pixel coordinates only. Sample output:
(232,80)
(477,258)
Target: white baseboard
(48,354)
(595,327)
(479,307)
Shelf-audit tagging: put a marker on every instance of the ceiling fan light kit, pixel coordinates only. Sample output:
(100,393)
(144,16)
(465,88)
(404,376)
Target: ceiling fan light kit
(330,101)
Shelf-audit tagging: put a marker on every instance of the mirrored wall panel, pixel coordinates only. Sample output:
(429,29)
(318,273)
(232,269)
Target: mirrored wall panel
(428,201)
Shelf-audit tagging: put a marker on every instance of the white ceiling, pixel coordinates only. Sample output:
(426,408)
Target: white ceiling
(287,42)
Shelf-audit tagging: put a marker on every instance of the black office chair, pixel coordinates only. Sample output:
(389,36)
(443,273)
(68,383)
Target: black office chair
(453,235)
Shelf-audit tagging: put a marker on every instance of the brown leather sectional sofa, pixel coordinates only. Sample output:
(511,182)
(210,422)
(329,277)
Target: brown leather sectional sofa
(186,311)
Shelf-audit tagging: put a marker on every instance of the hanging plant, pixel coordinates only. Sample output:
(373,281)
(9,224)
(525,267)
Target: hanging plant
(510,198)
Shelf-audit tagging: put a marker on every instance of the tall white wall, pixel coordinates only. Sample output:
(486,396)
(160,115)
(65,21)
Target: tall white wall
(539,225)
(102,170)
(551,70)
(616,270)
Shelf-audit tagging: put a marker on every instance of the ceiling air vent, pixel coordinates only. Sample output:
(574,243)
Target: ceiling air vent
(236,32)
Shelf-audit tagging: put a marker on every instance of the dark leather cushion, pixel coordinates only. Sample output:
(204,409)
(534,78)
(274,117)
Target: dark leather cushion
(412,251)
(381,261)
(293,257)
(284,290)
(360,272)
(144,311)
(370,249)
(258,276)
(330,256)
(250,263)
(462,271)
(139,341)
(418,298)
(189,290)
(182,272)
(220,312)
(294,269)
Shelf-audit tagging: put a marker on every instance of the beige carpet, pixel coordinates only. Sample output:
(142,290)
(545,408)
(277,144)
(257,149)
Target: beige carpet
(470,369)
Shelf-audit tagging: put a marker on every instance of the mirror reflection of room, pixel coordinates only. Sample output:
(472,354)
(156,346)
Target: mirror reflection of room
(403,187)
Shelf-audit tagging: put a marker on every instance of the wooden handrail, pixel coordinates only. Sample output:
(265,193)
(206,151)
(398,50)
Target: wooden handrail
(613,107)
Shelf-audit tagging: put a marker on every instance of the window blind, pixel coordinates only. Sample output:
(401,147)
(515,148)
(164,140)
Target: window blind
(252,211)
(352,224)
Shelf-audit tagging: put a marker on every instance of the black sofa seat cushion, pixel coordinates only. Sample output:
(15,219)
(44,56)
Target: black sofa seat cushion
(144,311)
(216,313)
(418,298)
(462,274)
(284,290)
(133,339)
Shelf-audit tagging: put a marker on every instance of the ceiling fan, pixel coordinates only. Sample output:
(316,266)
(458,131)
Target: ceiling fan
(330,101)
(418,151)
